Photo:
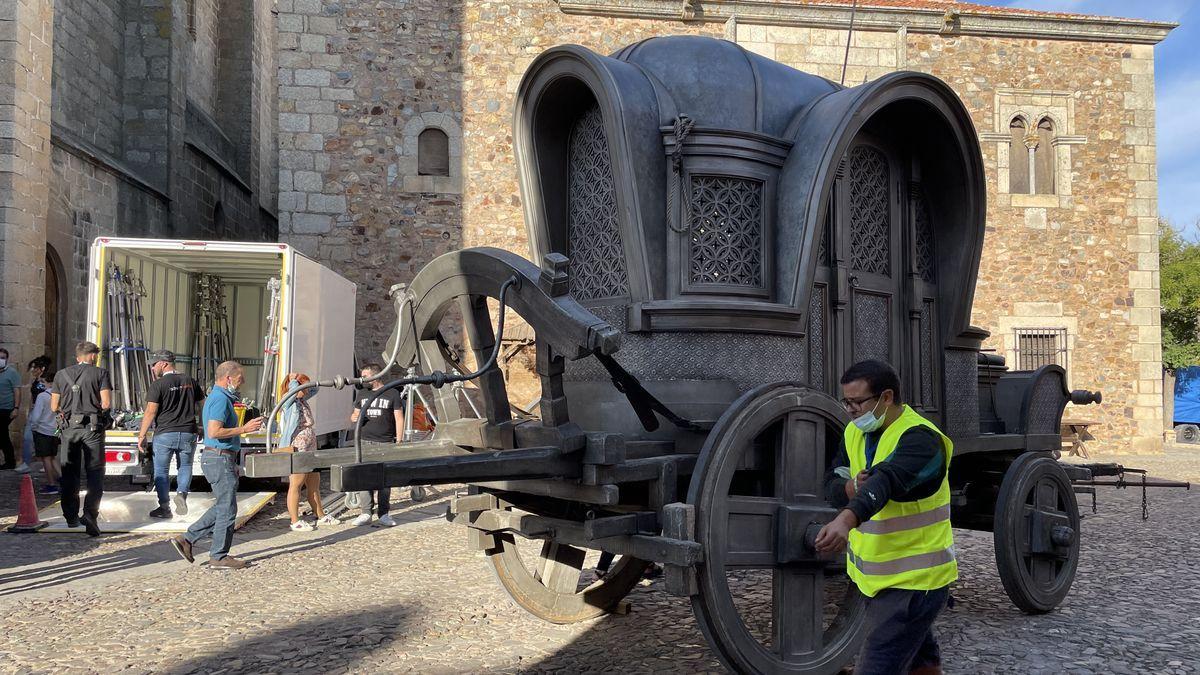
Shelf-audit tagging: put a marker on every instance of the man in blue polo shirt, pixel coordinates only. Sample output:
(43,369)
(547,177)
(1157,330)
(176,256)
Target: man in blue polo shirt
(222,445)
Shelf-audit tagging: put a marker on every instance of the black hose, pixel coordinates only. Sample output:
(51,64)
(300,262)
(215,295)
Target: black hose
(338,382)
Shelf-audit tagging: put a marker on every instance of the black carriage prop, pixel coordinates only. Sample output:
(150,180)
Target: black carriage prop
(720,236)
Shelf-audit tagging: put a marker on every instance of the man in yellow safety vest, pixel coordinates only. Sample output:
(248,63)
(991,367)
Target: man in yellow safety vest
(891,481)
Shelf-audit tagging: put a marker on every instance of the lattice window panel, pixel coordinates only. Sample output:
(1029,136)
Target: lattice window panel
(593,235)
(872,328)
(928,399)
(870,220)
(926,264)
(823,246)
(816,337)
(726,231)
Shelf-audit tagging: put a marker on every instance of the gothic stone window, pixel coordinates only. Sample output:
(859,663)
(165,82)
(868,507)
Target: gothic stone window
(433,153)
(1031,160)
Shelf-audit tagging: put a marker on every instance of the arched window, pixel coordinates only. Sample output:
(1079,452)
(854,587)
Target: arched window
(433,153)
(1044,158)
(1018,158)
(219,220)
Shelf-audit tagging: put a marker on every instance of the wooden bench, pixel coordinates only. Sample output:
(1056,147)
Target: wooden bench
(1074,434)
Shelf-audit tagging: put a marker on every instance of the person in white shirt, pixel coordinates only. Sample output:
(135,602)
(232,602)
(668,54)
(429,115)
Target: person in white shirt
(45,439)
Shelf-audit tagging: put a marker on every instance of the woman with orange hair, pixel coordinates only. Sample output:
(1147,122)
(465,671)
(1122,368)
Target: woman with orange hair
(296,431)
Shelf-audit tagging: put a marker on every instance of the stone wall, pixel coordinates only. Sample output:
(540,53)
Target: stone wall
(97,138)
(353,76)
(88,53)
(26,50)
(202,54)
(1087,260)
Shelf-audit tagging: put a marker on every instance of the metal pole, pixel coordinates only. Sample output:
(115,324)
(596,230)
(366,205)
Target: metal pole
(408,408)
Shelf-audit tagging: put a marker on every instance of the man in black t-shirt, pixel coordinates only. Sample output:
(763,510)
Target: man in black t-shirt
(171,405)
(384,423)
(82,397)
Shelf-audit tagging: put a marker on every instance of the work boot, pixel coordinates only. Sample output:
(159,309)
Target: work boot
(181,503)
(229,563)
(183,547)
(161,512)
(89,524)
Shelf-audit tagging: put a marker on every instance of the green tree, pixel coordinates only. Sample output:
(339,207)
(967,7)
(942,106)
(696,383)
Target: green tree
(1179,278)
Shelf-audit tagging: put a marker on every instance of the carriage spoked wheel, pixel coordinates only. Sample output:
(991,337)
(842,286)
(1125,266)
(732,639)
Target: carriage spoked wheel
(767,602)
(547,578)
(1036,533)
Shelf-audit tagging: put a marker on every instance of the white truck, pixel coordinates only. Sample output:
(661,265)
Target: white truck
(206,301)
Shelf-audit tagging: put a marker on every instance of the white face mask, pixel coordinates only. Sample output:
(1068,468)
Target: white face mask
(3,363)
(869,421)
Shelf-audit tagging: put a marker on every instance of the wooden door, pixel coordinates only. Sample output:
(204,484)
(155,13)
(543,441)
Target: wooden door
(871,243)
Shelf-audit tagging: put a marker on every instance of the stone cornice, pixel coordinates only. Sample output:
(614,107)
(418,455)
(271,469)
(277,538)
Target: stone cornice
(964,22)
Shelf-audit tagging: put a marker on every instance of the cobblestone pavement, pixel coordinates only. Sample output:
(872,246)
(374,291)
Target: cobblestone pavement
(411,598)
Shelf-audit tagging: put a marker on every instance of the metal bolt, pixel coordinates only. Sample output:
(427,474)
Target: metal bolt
(1062,535)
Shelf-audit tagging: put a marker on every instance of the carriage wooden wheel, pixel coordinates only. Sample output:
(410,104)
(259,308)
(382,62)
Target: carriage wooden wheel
(759,503)
(1036,533)
(551,583)
(552,590)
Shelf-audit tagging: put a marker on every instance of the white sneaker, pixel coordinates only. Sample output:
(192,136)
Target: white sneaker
(22,468)
(329,519)
(364,519)
(302,526)
(386,521)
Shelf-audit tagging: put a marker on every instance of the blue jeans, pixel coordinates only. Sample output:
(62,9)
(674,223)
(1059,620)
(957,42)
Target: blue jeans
(27,444)
(220,470)
(900,631)
(183,446)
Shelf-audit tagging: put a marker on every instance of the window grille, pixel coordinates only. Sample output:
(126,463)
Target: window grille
(1037,347)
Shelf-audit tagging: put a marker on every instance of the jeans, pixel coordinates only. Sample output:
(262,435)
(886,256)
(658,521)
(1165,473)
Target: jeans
(81,452)
(220,469)
(6,445)
(900,631)
(369,499)
(183,446)
(27,444)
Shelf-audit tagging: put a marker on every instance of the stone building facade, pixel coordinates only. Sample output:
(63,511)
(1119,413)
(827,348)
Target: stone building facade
(143,118)
(1063,106)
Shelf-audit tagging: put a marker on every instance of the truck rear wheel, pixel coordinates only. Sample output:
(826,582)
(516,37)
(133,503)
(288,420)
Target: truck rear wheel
(1187,433)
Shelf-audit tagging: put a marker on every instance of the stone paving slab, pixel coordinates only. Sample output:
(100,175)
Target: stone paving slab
(413,599)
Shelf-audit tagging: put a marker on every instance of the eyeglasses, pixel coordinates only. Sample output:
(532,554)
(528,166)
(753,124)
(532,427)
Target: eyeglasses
(856,403)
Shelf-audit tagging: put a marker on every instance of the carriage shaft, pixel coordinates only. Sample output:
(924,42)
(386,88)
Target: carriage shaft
(646,547)
(496,465)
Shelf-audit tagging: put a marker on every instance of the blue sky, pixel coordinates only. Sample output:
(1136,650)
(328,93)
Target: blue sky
(1177,81)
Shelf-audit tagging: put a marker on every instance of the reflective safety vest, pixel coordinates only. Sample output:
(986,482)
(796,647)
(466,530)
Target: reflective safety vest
(907,544)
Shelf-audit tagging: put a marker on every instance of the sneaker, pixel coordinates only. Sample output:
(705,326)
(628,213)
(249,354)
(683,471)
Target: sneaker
(302,526)
(228,563)
(386,521)
(49,490)
(180,503)
(89,524)
(161,512)
(329,519)
(183,547)
(364,519)
(22,468)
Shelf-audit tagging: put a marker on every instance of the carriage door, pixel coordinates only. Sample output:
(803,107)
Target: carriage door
(870,260)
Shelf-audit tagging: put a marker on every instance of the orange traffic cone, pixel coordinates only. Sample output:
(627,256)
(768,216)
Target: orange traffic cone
(27,512)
